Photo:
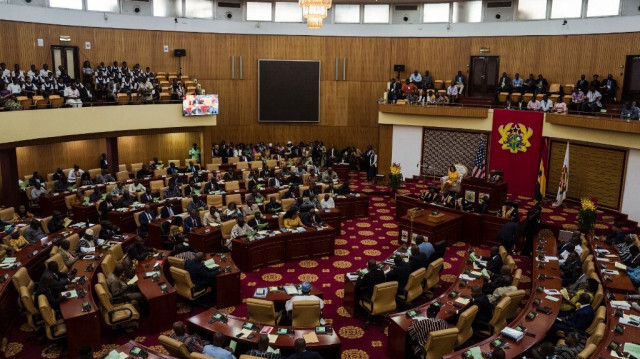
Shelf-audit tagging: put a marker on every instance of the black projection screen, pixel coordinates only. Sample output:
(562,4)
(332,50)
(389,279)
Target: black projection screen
(288,91)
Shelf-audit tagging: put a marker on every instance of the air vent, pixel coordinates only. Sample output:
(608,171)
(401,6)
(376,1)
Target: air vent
(499,4)
(406,7)
(141,0)
(235,5)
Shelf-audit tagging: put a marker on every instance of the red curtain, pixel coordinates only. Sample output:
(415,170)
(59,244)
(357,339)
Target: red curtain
(519,153)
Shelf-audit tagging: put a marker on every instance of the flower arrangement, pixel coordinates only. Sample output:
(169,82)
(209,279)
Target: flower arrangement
(395,176)
(587,214)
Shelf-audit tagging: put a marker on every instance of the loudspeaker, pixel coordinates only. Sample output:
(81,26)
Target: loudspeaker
(398,68)
(179,52)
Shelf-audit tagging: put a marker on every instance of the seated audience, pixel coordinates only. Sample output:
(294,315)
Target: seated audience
(201,276)
(192,341)
(399,272)
(419,329)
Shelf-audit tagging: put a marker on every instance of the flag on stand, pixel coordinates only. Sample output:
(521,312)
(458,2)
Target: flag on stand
(563,186)
(480,162)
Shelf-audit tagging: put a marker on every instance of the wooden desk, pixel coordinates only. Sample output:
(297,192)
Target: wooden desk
(124,219)
(476,229)
(228,288)
(630,334)
(328,345)
(83,328)
(52,202)
(207,239)
(353,206)
(543,323)
(342,169)
(283,247)
(497,191)
(449,229)
(161,305)
(82,213)
(333,218)
(126,348)
(620,283)
(398,344)
(280,297)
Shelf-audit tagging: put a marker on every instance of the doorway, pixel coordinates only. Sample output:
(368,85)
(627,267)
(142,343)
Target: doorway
(67,56)
(483,78)
(631,88)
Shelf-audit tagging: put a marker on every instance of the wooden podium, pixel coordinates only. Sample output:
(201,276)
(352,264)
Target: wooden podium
(497,192)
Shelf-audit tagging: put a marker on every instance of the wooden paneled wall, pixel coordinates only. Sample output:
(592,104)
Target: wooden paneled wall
(169,146)
(348,108)
(593,172)
(46,158)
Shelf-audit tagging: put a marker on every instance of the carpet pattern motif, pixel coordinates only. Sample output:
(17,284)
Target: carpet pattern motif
(363,239)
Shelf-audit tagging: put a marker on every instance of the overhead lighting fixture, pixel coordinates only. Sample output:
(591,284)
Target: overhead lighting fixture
(314,11)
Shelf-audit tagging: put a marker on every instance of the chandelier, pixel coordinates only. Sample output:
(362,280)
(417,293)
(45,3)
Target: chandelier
(314,11)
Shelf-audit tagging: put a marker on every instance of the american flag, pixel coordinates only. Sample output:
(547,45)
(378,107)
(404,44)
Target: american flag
(479,166)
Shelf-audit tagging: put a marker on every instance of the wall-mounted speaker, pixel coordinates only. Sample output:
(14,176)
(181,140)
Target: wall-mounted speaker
(179,52)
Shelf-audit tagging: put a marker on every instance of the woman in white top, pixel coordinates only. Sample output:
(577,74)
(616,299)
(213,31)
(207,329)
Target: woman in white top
(231,212)
(72,95)
(560,106)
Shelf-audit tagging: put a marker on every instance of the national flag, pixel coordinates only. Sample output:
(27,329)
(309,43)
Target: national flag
(480,162)
(541,186)
(563,186)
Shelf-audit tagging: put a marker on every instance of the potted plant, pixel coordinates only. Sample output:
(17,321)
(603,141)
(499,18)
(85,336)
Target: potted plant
(395,179)
(587,214)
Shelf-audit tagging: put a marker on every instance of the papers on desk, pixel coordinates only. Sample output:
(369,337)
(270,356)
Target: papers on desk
(475,353)
(603,259)
(512,333)
(630,322)
(552,292)
(245,332)
(463,301)
(114,354)
(632,348)
(260,293)
(211,264)
(133,280)
(610,272)
(291,289)
(603,251)
(9,260)
(549,258)
(621,304)
(151,274)
(272,338)
(70,294)
(477,274)
(611,256)
(266,329)
(552,298)
(310,338)
(620,266)
(485,273)
(352,276)
(466,277)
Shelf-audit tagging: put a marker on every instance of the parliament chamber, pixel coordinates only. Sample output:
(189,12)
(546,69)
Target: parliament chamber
(197,179)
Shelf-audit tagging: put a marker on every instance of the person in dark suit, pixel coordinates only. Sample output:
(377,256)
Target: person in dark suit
(46,288)
(485,309)
(276,181)
(399,273)
(366,283)
(273,206)
(344,189)
(211,186)
(192,167)
(193,221)
(494,261)
(300,345)
(166,212)
(172,169)
(147,196)
(608,88)
(106,206)
(252,182)
(258,223)
(201,276)
(418,259)
(530,229)
(266,172)
(144,218)
(311,190)
(60,279)
(103,162)
(144,172)
(508,235)
(292,192)
(55,224)
(580,319)
(583,84)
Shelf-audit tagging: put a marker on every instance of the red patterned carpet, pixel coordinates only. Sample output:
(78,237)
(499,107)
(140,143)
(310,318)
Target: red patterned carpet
(360,240)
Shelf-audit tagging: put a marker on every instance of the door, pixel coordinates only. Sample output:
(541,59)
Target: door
(67,56)
(483,75)
(631,88)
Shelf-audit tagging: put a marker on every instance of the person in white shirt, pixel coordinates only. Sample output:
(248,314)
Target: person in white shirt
(212,217)
(416,78)
(37,191)
(88,242)
(452,92)
(74,174)
(305,288)
(534,104)
(15,87)
(592,104)
(136,187)
(5,73)
(44,73)
(17,73)
(33,73)
(72,95)
(327,202)
(546,105)
(241,228)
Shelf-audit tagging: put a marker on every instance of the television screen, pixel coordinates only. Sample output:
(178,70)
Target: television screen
(288,91)
(200,105)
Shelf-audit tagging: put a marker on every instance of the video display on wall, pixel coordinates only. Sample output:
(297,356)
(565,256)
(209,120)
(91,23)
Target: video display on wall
(200,105)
